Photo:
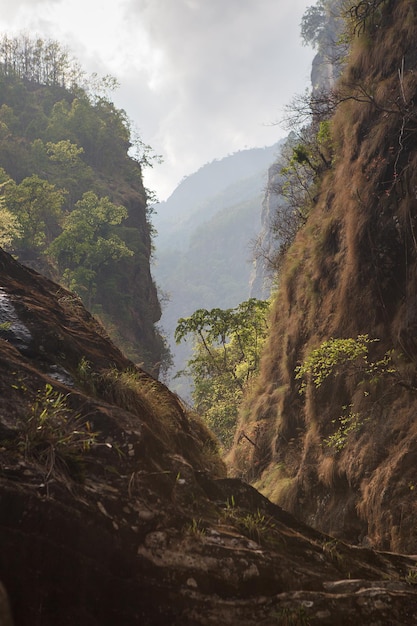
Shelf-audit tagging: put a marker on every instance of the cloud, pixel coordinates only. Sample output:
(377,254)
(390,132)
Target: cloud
(224,72)
(200,78)
(15,8)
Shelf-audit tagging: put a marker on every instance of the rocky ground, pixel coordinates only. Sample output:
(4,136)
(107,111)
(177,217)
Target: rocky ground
(115,507)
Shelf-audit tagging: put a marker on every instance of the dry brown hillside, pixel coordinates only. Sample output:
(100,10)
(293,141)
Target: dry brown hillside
(343,456)
(114,508)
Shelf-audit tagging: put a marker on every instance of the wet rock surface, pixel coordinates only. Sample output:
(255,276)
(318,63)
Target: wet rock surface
(115,508)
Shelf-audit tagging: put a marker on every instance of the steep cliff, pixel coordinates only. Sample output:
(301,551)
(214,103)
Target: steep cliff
(65,147)
(322,27)
(340,452)
(114,508)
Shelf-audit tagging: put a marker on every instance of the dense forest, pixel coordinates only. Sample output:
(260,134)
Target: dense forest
(73,205)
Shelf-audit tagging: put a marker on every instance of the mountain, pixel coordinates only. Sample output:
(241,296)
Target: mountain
(332,418)
(191,202)
(116,508)
(72,200)
(203,246)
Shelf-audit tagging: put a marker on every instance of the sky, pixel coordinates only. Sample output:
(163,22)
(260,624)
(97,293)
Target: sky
(200,79)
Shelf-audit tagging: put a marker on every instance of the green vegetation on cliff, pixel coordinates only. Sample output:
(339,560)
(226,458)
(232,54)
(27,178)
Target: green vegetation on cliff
(226,354)
(72,197)
(342,455)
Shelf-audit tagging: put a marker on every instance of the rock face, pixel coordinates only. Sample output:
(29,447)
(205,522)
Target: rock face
(114,506)
(77,146)
(341,455)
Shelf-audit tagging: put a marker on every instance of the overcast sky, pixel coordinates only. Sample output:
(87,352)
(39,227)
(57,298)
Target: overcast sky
(199,78)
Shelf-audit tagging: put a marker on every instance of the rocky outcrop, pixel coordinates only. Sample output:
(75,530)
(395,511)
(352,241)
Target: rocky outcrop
(341,455)
(114,506)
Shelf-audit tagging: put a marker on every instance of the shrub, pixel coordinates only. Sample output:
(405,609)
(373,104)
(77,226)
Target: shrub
(54,435)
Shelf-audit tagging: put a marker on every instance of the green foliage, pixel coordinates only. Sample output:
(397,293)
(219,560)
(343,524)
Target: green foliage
(292,616)
(84,371)
(335,353)
(332,549)
(64,165)
(306,154)
(38,60)
(196,529)
(411,577)
(325,140)
(226,357)
(300,155)
(350,423)
(87,242)
(323,27)
(350,357)
(313,24)
(54,435)
(60,140)
(10,228)
(37,207)
(258,525)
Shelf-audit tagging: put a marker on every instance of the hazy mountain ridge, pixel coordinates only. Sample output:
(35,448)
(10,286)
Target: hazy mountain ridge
(204,253)
(210,180)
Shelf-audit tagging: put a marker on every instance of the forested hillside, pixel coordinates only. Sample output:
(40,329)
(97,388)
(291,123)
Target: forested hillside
(330,429)
(73,205)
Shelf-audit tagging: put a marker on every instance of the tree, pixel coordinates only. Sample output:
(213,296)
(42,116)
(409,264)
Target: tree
(88,242)
(62,161)
(313,24)
(364,15)
(226,356)
(38,60)
(10,229)
(291,189)
(37,205)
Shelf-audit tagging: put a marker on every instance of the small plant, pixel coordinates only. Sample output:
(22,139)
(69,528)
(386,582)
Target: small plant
(55,436)
(333,354)
(331,548)
(292,616)
(195,528)
(258,525)
(411,578)
(349,357)
(138,393)
(231,502)
(350,423)
(84,369)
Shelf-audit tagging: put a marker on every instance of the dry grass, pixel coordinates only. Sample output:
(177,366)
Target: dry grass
(274,484)
(327,471)
(352,270)
(164,414)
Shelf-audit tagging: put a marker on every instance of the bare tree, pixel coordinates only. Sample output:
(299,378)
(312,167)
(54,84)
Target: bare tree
(37,60)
